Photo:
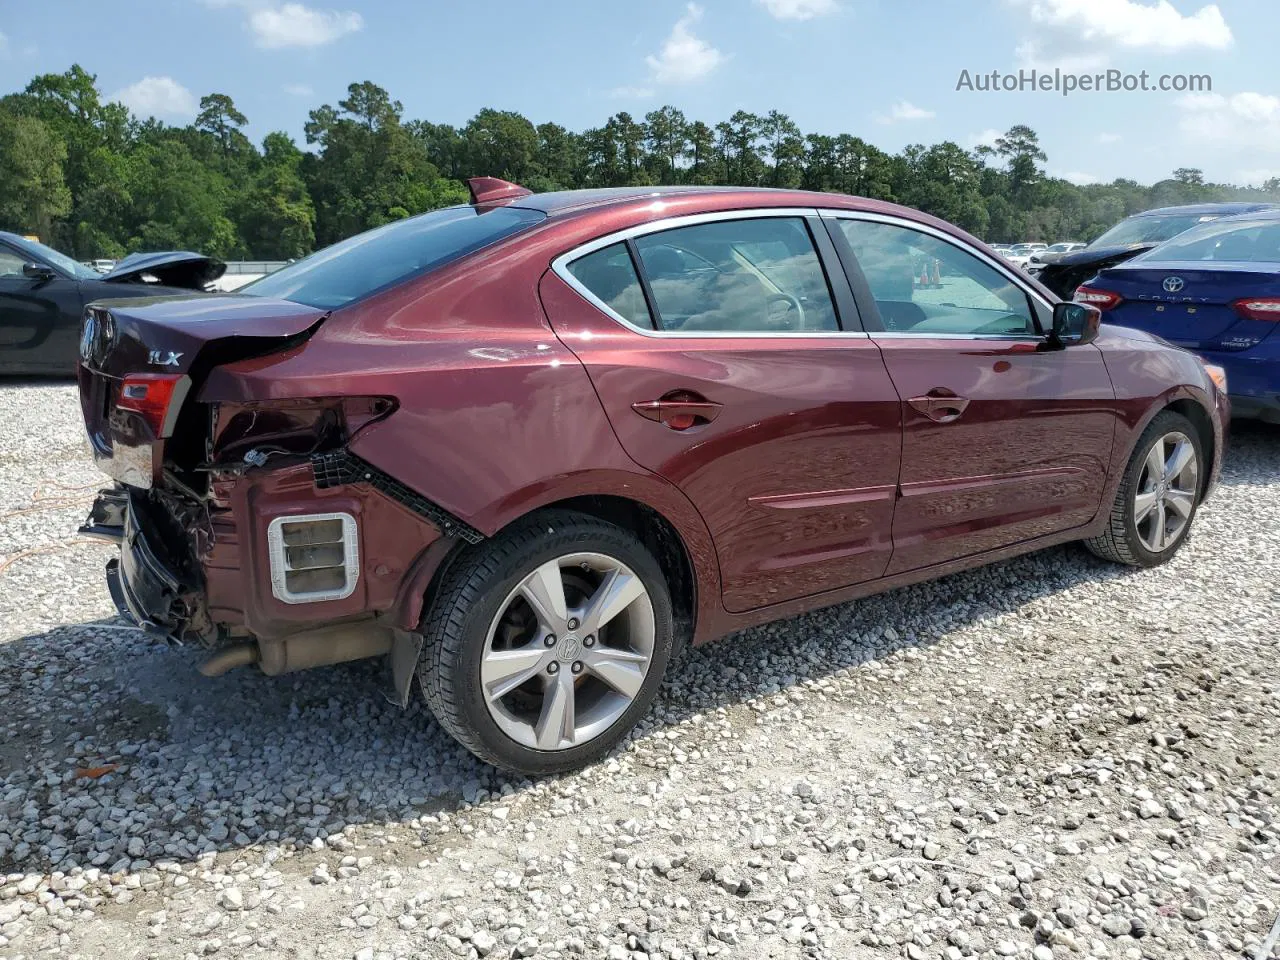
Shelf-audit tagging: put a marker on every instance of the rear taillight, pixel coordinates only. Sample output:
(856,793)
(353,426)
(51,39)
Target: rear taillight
(150,395)
(1102,299)
(1258,308)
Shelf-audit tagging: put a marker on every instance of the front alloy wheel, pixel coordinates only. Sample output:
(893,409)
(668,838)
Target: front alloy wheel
(1158,495)
(547,643)
(1167,488)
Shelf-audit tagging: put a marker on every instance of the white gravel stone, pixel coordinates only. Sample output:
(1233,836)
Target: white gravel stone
(1046,758)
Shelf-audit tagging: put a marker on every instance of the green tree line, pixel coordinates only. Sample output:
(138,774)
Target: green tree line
(87,176)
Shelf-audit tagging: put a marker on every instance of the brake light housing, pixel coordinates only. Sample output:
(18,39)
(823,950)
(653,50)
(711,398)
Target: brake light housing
(155,397)
(1258,308)
(1102,299)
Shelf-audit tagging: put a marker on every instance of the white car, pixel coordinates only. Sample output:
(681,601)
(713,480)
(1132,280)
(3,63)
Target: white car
(1036,261)
(1012,255)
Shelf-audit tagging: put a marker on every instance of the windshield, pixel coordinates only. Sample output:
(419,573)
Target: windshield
(354,268)
(38,251)
(1149,229)
(1239,241)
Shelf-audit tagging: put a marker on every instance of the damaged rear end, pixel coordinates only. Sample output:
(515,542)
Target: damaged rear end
(242,524)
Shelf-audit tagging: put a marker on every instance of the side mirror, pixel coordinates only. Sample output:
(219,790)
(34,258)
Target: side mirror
(37,271)
(1074,324)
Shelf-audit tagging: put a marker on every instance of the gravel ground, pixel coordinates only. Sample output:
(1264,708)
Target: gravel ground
(1051,757)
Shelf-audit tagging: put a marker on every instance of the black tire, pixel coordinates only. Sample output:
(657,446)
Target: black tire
(1120,542)
(456,629)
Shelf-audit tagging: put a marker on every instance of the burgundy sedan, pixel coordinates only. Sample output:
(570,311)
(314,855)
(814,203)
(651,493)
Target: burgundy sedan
(527,448)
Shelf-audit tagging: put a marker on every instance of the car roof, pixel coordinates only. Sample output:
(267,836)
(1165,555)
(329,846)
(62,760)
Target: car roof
(1266,213)
(1210,209)
(580,201)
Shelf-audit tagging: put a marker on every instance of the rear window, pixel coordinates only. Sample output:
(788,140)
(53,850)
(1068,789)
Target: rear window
(1249,241)
(1149,229)
(368,262)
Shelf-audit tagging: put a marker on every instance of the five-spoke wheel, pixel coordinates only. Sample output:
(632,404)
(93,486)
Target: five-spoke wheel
(1167,491)
(547,643)
(1158,495)
(568,652)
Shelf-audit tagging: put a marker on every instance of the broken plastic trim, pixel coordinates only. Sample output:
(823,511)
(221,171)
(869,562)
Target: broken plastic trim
(339,468)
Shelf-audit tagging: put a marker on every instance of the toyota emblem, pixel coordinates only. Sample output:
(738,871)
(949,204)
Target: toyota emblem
(1173,284)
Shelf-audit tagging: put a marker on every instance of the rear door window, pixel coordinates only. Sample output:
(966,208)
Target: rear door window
(749,275)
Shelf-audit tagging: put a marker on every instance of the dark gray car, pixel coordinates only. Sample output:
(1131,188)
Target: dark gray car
(43,294)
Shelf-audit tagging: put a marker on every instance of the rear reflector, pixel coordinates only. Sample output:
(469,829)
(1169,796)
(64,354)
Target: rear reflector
(1102,299)
(150,395)
(313,557)
(1259,308)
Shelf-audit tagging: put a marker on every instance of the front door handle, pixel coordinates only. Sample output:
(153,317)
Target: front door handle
(678,410)
(940,405)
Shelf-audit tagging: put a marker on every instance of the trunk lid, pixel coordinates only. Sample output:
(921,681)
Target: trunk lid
(174,268)
(1191,303)
(1068,270)
(180,338)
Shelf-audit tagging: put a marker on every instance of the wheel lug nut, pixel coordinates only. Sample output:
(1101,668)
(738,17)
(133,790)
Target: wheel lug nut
(573,623)
(577,666)
(589,641)
(553,668)
(550,640)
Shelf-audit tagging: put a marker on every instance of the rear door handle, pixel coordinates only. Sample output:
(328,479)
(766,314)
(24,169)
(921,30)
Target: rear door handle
(680,411)
(940,405)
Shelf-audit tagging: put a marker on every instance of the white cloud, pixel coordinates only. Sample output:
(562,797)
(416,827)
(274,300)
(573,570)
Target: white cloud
(1073,176)
(1132,23)
(296,25)
(277,25)
(1241,121)
(799,9)
(4,47)
(905,110)
(157,97)
(1032,55)
(1109,138)
(1081,35)
(987,138)
(298,90)
(630,93)
(684,57)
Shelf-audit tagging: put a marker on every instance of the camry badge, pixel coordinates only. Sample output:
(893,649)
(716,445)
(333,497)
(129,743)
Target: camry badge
(164,359)
(1173,284)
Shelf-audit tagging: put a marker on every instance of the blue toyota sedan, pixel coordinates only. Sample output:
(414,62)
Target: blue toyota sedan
(1214,289)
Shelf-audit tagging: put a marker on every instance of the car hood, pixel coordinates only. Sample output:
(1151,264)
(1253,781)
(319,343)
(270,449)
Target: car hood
(173,268)
(1066,271)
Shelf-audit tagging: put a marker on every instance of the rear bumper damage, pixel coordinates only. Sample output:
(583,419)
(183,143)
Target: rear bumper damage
(219,571)
(144,582)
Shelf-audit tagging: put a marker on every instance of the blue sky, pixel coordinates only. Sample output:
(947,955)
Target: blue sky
(886,71)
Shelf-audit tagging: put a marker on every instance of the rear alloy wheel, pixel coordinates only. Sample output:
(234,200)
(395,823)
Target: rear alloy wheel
(1158,497)
(547,644)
